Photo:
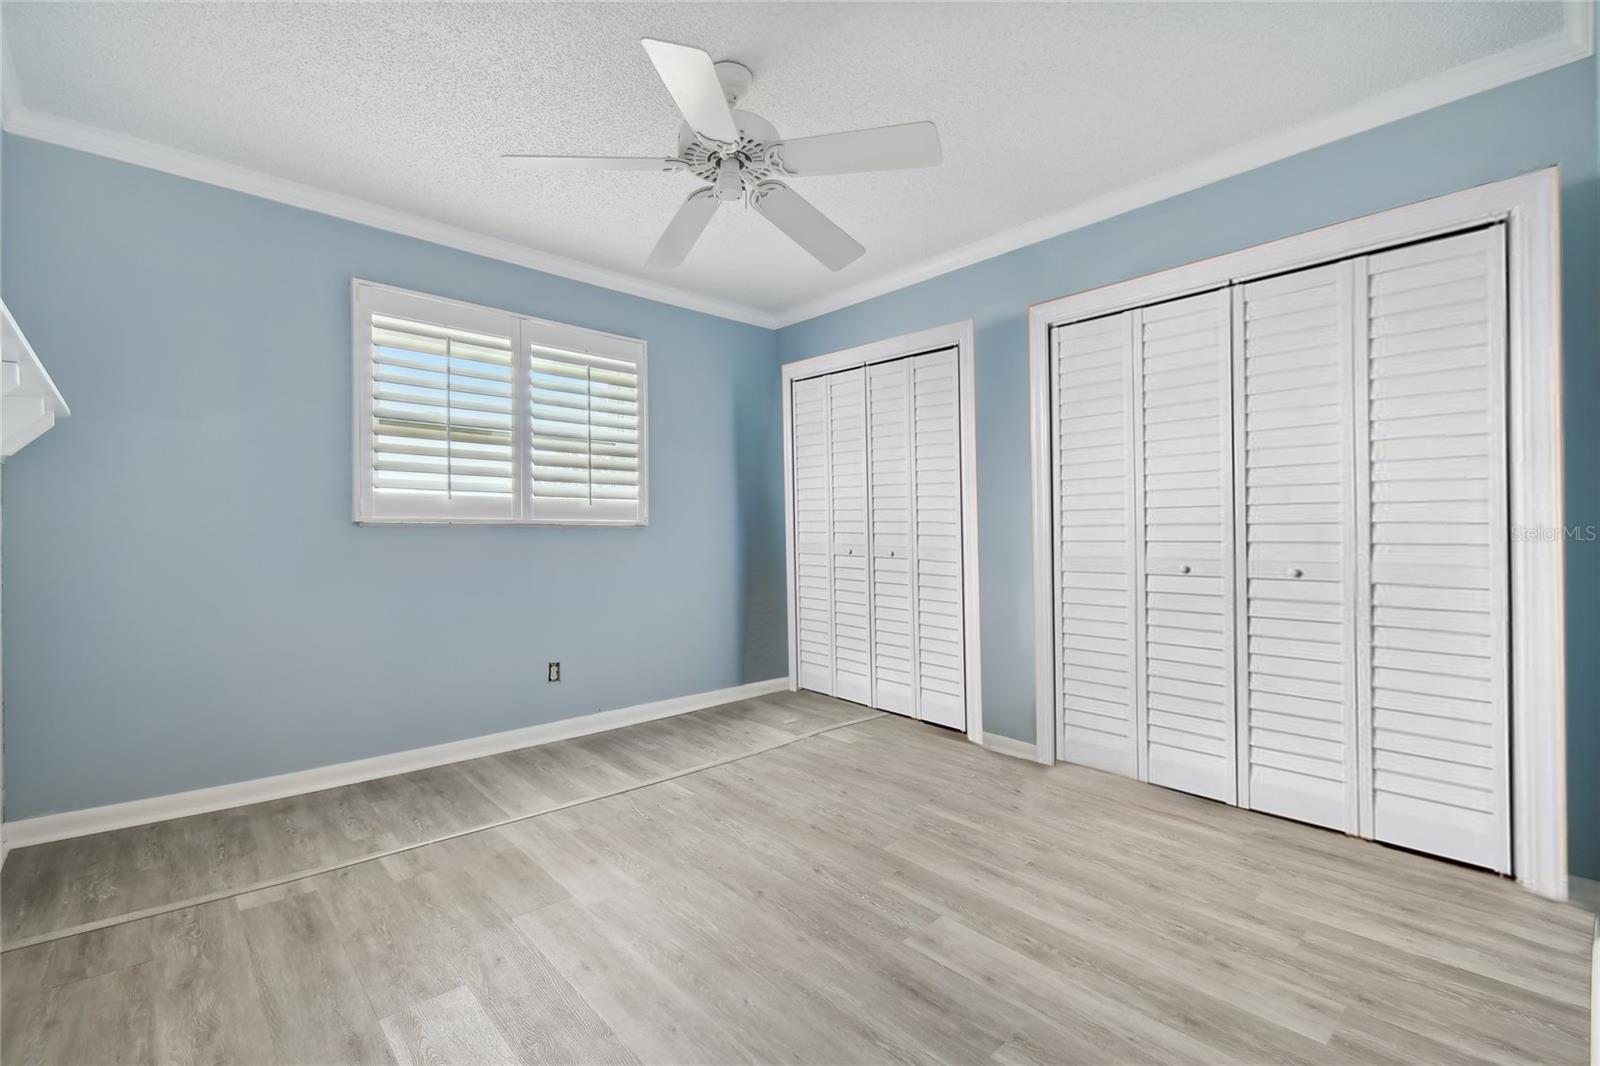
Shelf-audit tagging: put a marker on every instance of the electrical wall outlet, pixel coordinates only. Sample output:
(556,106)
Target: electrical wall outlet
(553,672)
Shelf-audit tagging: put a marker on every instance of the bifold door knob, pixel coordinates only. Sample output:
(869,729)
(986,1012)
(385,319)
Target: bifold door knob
(891,553)
(1295,571)
(1184,569)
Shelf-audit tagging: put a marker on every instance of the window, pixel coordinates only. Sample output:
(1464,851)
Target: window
(467,414)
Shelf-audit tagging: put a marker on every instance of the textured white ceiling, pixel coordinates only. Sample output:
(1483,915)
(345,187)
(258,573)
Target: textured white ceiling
(1040,106)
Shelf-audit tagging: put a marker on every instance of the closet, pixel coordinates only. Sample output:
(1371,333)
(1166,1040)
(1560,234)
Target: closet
(878,536)
(1279,537)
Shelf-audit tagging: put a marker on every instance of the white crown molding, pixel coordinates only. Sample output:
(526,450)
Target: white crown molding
(48,827)
(70,134)
(23,121)
(1573,43)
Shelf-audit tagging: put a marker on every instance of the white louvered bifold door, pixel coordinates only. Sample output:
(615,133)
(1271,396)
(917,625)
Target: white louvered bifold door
(878,537)
(1433,678)
(889,455)
(1293,439)
(813,562)
(847,509)
(1186,467)
(1095,543)
(936,541)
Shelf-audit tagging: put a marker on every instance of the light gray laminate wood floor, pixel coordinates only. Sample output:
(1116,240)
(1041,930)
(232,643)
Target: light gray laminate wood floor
(879,891)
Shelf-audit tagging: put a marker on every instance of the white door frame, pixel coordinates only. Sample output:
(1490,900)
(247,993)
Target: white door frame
(1529,205)
(957,335)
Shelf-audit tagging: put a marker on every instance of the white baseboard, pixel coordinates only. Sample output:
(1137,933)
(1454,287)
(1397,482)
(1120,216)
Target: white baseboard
(1017,749)
(1594,997)
(1583,892)
(48,827)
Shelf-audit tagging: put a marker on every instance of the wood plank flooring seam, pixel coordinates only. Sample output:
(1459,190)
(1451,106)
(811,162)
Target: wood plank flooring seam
(233,893)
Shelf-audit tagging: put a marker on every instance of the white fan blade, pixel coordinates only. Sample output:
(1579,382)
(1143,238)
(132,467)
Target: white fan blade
(806,226)
(587,162)
(684,229)
(915,144)
(691,78)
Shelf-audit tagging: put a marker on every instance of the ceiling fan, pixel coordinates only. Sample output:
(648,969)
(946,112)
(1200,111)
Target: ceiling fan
(741,156)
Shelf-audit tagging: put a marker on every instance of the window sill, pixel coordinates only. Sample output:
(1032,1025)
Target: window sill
(591,522)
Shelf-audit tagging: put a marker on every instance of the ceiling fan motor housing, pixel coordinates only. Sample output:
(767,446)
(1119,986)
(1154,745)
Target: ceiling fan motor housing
(747,161)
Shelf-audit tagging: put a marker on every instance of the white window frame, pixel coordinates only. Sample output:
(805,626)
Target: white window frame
(524,331)
(1528,205)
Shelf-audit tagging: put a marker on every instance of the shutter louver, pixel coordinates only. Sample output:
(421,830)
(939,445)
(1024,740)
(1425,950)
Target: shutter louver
(442,414)
(584,442)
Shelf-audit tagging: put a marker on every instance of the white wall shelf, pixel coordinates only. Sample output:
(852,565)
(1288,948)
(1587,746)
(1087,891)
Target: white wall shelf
(30,403)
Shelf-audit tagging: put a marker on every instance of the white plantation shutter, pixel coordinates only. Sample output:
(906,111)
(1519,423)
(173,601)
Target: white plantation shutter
(1433,671)
(464,413)
(1186,470)
(584,443)
(1096,547)
(1298,735)
(436,387)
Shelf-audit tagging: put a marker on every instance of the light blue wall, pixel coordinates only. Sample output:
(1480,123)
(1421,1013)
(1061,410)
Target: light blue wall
(187,601)
(1527,125)
(157,542)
